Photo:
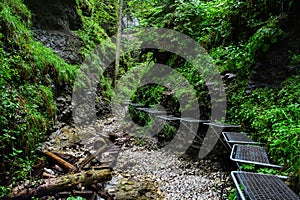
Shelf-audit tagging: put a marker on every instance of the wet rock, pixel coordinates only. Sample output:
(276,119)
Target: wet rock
(125,186)
(273,66)
(53,22)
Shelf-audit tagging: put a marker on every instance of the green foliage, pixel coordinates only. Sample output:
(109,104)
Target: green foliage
(25,113)
(51,66)
(169,130)
(269,171)
(16,17)
(75,198)
(140,141)
(99,22)
(27,74)
(266,35)
(237,34)
(232,195)
(247,167)
(149,94)
(4,191)
(295,59)
(272,115)
(23,52)
(262,170)
(233,58)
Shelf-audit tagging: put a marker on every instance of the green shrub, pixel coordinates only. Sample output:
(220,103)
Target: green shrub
(272,117)
(27,110)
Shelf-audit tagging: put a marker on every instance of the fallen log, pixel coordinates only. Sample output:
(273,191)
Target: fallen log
(53,185)
(60,161)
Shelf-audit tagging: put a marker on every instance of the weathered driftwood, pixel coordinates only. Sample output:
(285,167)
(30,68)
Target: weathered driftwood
(60,161)
(54,185)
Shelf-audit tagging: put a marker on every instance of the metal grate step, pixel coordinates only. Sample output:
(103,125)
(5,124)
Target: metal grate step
(221,125)
(237,138)
(151,111)
(168,118)
(192,120)
(254,186)
(250,154)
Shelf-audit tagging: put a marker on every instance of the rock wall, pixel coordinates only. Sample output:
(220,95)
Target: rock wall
(274,66)
(53,23)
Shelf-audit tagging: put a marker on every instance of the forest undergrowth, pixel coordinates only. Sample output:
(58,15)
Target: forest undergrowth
(236,34)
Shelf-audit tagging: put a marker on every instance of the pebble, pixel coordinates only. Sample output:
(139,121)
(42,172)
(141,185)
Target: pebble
(171,176)
(188,182)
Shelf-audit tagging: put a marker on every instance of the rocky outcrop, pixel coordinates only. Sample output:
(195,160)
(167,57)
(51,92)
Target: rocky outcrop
(274,67)
(53,22)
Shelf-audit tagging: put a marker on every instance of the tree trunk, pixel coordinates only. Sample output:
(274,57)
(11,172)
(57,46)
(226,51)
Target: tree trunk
(118,42)
(54,185)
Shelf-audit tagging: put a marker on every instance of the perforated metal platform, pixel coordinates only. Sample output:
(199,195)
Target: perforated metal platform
(253,186)
(221,125)
(168,118)
(237,138)
(192,120)
(135,104)
(251,154)
(151,111)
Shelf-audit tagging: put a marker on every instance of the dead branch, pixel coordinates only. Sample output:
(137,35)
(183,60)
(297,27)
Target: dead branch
(66,165)
(63,183)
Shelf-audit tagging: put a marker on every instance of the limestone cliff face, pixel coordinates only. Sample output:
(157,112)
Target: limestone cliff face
(53,23)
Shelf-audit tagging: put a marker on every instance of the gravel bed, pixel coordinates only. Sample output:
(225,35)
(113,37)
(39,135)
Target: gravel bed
(178,178)
(175,176)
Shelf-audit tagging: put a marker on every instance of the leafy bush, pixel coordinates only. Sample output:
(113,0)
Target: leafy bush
(236,34)
(28,73)
(98,24)
(272,116)
(266,35)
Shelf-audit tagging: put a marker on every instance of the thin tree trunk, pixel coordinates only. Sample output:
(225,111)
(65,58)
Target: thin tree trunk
(118,42)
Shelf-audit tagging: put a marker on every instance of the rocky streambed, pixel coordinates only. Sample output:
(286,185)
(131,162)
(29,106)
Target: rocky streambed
(175,177)
(139,170)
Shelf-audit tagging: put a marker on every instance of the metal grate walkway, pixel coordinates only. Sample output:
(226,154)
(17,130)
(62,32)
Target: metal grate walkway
(255,186)
(151,111)
(221,125)
(192,120)
(168,118)
(233,137)
(250,154)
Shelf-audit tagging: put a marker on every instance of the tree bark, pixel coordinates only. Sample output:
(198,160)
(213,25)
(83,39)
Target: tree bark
(118,42)
(54,185)
(60,161)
